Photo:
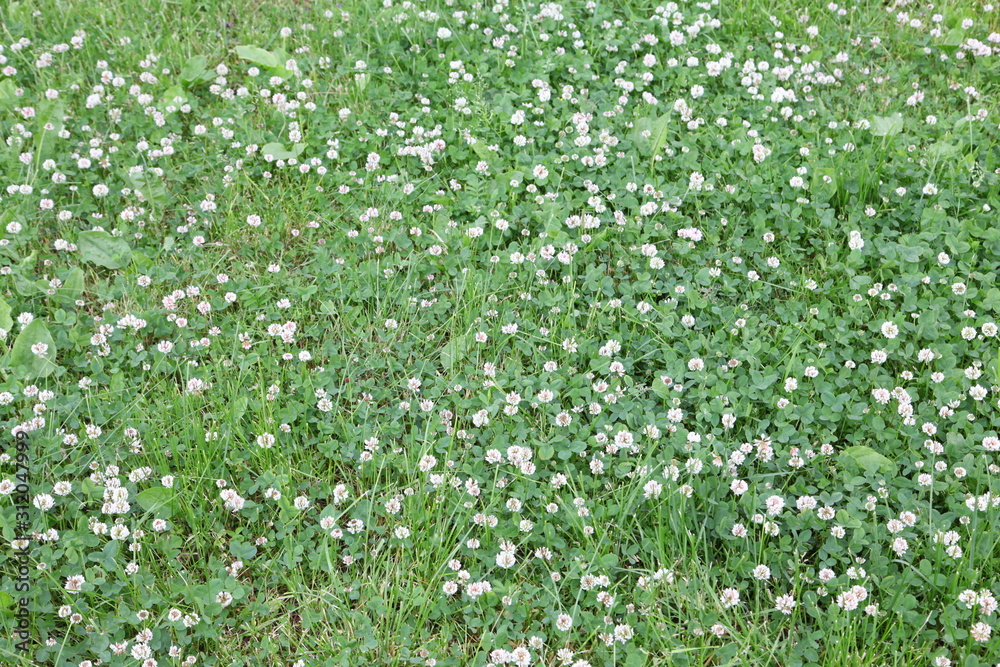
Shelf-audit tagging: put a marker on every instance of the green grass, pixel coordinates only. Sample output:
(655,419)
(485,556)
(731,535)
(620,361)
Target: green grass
(647,373)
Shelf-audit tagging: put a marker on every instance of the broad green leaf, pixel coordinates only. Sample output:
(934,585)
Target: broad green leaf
(72,287)
(171,96)
(762,382)
(907,253)
(279,152)
(238,409)
(560,239)
(650,133)
(117,384)
(483,152)
(504,103)
(149,186)
(642,134)
(242,550)
(956,246)
(157,500)
(453,351)
(280,57)
(257,55)
(868,459)
(992,300)
(7,216)
(26,362)
(45,139)
(887,126)
(90,489)
(846,520)
(196,71)
(826,180)
(361,81)
(942,150)
(660,389)
(503,181)
(952,40)
(955,37)
(548,215)
(141,259)
(27,287)
(103,249)
(660,133)
(8,99)
(933,219)
(6,321)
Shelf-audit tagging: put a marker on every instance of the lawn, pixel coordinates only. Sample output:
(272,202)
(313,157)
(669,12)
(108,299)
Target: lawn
(453,333)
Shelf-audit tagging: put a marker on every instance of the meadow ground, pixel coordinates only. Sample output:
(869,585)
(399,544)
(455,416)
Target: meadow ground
(499,333)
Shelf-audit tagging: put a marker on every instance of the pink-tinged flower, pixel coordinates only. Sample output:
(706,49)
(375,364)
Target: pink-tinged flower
(730,598)
(774,505)
(847,601)
(785,604)
(74,584)
(981,632)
